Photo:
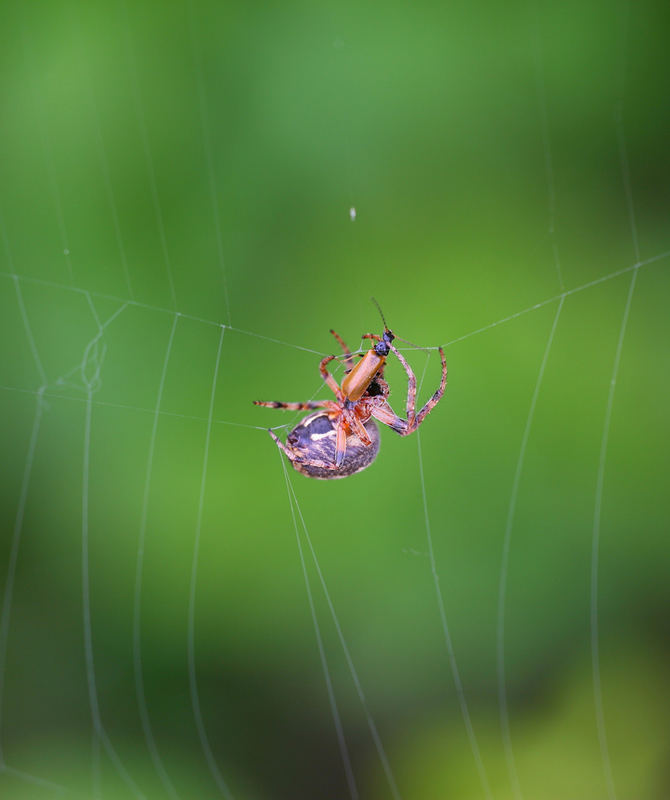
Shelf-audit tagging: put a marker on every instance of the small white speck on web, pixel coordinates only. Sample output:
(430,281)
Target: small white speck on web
(352,214)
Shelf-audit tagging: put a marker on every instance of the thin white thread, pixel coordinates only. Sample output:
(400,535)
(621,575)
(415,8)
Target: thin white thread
(98,729)
(29,335)
(339,731)
(347,654)
(445,628)
(137,643)
(460,692)
(600,479)
(146,145)
(13,559)
(93,311)
(195,701)
(23,497)
(502,588)
(62,381)
(595,653)
(556,297)
(22,307)
(205,126)
(104,403)
(93,357)
(276,341)
(26,776)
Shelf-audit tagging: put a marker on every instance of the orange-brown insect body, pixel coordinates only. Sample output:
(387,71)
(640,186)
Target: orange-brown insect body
(357,381)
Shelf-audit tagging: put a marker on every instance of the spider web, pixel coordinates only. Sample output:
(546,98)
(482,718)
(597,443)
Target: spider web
(479,614)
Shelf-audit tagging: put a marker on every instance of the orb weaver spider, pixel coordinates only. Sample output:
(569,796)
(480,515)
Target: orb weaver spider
(342,438)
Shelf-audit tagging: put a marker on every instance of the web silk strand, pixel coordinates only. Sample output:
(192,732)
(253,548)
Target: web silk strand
(10,580)
(13,560)
(56,788)
(99,732)
(556,297)
(597,511)
(93,356)
(504,569)
(137,618)
(347,654)
(192,677)
(339,730)
(458,683)
(600,480)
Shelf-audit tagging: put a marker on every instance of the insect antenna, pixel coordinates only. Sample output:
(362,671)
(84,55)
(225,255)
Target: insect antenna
(381,313)
(399,338)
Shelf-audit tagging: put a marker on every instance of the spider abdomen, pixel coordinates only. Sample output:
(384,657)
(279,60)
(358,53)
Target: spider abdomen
(312,443)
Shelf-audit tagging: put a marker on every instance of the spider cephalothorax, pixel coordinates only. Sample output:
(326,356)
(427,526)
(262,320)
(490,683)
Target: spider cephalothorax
(341,438)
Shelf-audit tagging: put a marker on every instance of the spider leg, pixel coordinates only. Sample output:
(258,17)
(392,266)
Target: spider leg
(348,358)
(358,428)
(430,405)
(293,406)
(411,385)
(340,443)
(386,415)
(285,450)
(328,378)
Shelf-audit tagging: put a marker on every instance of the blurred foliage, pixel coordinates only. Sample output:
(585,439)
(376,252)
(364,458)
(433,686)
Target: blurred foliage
(202,158)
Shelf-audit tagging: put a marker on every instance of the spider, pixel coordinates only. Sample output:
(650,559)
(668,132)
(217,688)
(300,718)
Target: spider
(342,438)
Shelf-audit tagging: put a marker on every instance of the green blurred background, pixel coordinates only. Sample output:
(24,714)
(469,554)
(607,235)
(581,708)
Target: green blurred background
(203,158)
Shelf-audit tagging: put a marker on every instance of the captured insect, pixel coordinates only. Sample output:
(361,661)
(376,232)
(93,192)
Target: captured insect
(342,438)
